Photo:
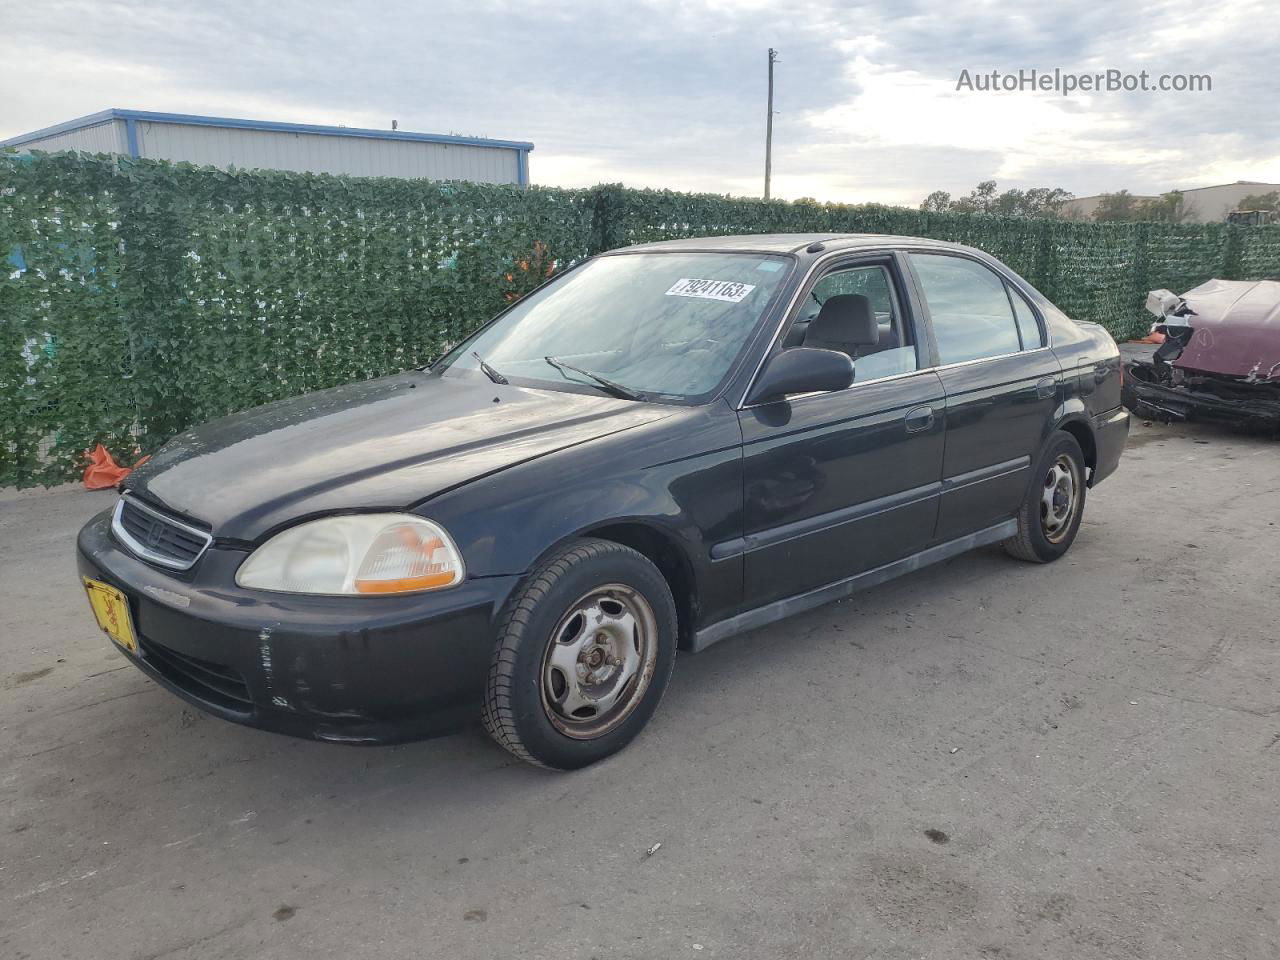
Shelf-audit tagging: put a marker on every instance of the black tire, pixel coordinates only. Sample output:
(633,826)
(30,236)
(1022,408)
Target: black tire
(1034,541)
(517,712)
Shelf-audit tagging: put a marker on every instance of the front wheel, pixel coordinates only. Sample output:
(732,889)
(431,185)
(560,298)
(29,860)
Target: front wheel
(1050,515)
(585,649)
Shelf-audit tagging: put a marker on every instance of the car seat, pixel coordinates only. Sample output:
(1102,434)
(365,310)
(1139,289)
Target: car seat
(846,323)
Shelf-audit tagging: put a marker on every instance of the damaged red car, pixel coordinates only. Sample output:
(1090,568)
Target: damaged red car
(1220,359)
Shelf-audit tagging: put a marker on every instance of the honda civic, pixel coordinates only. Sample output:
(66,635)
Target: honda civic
(660,447)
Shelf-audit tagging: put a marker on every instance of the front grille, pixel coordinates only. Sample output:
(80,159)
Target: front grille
(157,537)
(213,683)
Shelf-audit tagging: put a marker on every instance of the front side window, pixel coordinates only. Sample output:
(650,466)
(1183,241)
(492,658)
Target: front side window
(971,314)
(854,310)
(661,326)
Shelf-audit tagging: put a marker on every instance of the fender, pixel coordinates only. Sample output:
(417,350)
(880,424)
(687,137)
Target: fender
(672,551)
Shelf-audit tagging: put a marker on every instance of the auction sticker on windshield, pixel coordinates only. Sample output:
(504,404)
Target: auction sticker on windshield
(729,291)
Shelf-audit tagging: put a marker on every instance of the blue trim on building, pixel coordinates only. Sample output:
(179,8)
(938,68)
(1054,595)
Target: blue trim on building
(131,136)
(80,123)
(133,116)
(522,172)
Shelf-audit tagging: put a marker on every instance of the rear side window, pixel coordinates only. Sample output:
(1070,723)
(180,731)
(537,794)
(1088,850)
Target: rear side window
(1027,325)
(971,313)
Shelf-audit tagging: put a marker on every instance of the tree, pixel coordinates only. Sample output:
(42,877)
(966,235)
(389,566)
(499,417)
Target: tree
(1166,208)
(1121,205)
(1035,202)
(937,202)
(1011,203)
(1261,201)
(982,199)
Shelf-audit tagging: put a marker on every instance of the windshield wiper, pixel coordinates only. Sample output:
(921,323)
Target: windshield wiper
(488,371)
(617,389)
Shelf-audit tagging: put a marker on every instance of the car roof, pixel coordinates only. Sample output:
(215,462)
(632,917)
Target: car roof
(788,243)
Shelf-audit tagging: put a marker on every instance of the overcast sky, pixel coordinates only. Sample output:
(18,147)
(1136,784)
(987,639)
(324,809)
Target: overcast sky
(673,94)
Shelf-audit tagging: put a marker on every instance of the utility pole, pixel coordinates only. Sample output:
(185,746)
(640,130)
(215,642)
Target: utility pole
(768,130)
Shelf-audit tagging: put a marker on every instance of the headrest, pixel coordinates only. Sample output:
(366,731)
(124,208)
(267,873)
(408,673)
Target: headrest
(845,318)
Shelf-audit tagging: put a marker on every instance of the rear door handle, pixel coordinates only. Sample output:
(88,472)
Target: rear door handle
(1046,387)
(1100,372)
(919,419)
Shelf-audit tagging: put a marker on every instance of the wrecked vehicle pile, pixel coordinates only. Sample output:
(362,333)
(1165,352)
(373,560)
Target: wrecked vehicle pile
(1220,359)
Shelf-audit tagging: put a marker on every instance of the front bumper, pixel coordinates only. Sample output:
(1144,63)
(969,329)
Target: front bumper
(349,669)
(1153,394)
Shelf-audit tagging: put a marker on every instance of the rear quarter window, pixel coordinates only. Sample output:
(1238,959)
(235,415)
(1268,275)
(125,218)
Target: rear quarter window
(1028,326)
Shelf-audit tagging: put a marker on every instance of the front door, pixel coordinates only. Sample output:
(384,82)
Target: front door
(839,483)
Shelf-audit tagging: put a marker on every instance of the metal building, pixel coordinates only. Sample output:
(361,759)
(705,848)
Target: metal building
(1199,204)
(248,144)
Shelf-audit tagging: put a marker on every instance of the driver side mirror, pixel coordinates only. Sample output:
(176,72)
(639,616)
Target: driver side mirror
(802,370)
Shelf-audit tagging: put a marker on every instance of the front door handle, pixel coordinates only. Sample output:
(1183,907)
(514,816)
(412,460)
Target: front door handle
(919,419)
(1046,387)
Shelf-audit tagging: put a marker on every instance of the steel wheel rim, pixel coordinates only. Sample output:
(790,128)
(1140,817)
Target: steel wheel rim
(599,661)
(1059,498)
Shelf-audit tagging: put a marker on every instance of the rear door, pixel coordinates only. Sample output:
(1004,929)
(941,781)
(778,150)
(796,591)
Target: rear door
(1002,384)
(839,483)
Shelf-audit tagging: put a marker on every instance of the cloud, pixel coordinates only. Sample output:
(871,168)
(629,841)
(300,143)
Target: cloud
(667,93)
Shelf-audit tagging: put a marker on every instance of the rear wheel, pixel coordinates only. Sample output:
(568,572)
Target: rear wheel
(1051,513)
(585,650)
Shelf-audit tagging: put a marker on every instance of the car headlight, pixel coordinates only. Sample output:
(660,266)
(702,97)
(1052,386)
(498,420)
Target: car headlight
(371,553)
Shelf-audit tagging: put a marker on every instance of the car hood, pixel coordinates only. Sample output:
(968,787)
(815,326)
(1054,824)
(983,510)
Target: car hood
(1237,329)
(387,443)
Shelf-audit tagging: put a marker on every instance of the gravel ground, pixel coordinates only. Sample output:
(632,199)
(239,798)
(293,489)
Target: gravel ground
(985,759)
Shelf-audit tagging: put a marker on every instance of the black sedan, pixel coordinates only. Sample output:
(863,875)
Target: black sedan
(662,447)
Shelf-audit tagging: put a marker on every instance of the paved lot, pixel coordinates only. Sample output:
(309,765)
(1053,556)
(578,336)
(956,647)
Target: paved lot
(987,759)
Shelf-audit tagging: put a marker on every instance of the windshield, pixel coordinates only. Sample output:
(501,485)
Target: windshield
(655,326)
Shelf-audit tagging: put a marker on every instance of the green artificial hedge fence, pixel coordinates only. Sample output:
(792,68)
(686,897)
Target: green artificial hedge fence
(141,297)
